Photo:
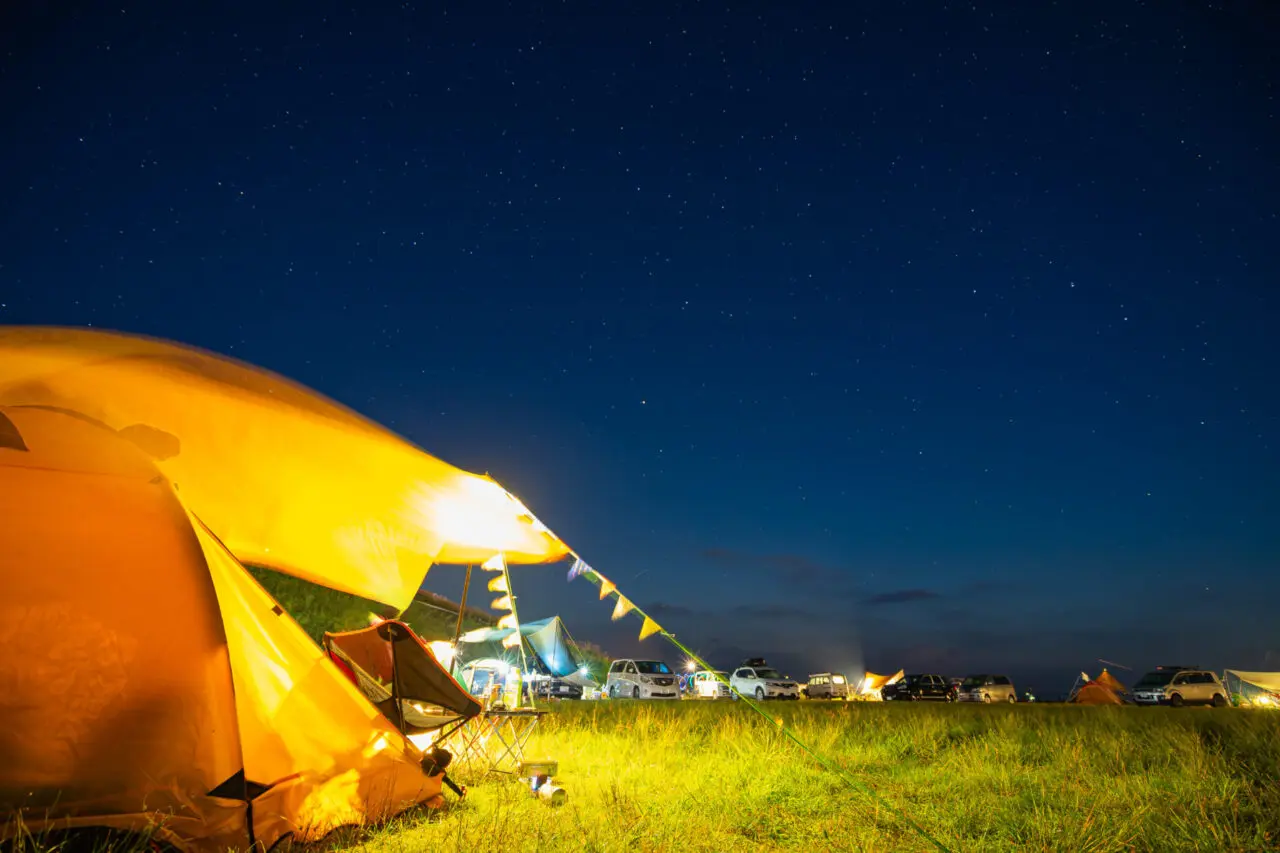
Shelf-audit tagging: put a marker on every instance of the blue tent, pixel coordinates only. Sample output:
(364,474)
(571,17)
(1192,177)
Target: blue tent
(548,648)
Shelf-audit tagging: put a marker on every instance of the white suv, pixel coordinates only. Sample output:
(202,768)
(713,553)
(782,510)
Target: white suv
(763,682)
(1178,686)
(641,679)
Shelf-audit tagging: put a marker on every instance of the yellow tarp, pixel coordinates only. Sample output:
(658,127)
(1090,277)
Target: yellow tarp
(283,476)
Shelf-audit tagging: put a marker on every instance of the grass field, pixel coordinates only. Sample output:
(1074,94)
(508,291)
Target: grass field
(716,776)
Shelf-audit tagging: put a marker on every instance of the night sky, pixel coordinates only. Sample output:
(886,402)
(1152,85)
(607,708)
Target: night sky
(934,336)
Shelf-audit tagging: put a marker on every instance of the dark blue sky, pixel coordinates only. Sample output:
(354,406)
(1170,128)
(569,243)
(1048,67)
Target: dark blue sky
(927,335)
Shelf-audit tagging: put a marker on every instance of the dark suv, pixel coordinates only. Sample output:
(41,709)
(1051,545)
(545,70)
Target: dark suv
(919,688)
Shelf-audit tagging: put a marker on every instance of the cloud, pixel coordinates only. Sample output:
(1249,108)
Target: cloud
(771,611)
(664,608)
(793,567)
(901,596)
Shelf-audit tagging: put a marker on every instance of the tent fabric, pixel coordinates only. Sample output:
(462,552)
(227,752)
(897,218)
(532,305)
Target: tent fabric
(1265,680)
(547,642)
(1110,682)
(1096,693)
(284,477)
(872,684)
(150,679)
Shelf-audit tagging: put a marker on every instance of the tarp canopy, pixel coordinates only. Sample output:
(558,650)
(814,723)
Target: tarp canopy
(546,640)
(1265,680)
(285,477)
(872,684)
(147,674)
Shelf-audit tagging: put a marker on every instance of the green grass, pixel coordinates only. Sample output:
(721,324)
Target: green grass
(718,777)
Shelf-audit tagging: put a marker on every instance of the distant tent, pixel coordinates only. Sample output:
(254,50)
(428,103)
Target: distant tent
(1109,681)
(549,648)
(872,684)
(1095,693)
(1106,689)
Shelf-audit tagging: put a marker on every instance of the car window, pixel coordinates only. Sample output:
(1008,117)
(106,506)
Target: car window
(1180,678)
(1000,679)
(631,668)
(616,666)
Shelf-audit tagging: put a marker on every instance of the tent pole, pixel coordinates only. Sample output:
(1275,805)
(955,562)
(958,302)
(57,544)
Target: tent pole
(457,632)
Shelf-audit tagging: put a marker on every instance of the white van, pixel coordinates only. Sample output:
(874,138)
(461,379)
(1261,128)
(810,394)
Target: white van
(641,679)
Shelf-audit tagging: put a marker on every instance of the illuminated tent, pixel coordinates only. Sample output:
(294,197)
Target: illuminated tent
(284,477)
(1110,682)
(1258,689)
(148,678)
(1095,690)
(872,684)
(548,647)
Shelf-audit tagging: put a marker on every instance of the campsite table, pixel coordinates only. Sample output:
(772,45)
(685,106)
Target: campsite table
(495,739)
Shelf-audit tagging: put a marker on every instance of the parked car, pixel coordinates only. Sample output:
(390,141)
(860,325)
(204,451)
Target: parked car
(918,688)
(556,688)
(708,684)
(641,679)
(827,685)
(1178,686)
(986,688)
(757,679)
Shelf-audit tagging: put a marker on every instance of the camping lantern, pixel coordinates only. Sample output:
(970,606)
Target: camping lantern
(539,774)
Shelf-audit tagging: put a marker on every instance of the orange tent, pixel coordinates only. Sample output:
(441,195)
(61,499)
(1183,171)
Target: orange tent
(149,680)
(1094,693)
(284,477)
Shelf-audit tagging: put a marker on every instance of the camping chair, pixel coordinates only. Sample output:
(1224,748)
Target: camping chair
(423,700)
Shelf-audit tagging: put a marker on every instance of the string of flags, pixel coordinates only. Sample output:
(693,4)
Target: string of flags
(502,584)
(623,605)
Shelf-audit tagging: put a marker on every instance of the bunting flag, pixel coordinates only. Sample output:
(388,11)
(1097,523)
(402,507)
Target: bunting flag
(508,622)
(503,603)
(499,584)
(511,640)
(623,607)
(649,628)
(607,587)
(578,568)
(496,563)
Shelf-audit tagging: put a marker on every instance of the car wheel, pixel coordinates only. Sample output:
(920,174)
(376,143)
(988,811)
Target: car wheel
(635,692)
(759,694)
(1176,700)
(1013,697)
(986,697)
(1219,701)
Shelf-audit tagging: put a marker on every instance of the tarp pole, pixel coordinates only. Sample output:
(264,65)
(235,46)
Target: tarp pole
(457,632)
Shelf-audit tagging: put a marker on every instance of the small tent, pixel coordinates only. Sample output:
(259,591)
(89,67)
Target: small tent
(1103,690)
(549,649)
(150,681)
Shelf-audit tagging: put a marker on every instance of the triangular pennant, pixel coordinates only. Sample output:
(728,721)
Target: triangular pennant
(606,587)
(503,603)
(508,622)
(649,628)
(622,608)
(511,640)
(499,584)
(578,568)
(496,563)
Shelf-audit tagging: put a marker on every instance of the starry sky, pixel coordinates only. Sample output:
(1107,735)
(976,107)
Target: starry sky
(923,335)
